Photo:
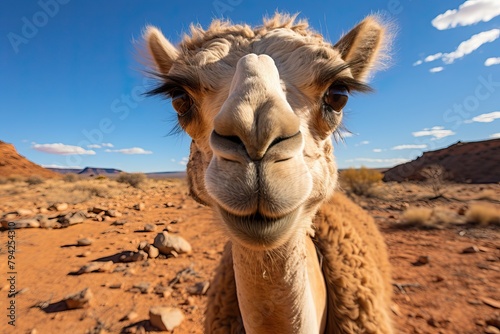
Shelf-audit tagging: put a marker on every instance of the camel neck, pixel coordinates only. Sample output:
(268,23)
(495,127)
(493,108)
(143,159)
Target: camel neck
(280,291)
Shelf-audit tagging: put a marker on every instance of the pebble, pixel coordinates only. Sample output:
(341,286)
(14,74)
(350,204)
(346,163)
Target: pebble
(84,242)
(131,316)
(116,286)
(22,223)
(99,267)
(167,243)
(80,299)
(142,287)
(24,212)
(422,260)
(165,318)
(97,210)
(153,252)
(133,256)
(59,207)
(139,206)
(113,213)
(491,302)
(150,227)
(470,250)
(492,330)
(199,289)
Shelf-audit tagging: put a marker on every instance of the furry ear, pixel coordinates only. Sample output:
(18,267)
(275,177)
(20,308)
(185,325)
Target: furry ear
(162,51)
(360,47)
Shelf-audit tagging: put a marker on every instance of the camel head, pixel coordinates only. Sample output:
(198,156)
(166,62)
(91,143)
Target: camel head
(260,105)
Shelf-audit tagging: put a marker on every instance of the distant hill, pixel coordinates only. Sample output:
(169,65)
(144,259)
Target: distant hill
(167,175)
(471,162)
(100,171)
(14,164)
(65,170)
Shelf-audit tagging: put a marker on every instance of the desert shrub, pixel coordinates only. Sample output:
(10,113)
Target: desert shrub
(483,214)
(360,181)
(435,177)
(413,217)
(101,177)
(71,177)
(34,180)
(133,179)
(15,178)
(427,218)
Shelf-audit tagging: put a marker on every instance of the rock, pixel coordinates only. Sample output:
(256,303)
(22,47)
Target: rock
(22,223)
(142,287)
(73,218)
(139,206)
(491,302)
(80,299)
(10,216)
(98,210)
(58,207)
(165,318)
(169,205)
(470,250)
(95,267)
(167,243)
(422,260)
(84,242)
(85,254)
(495,322)
(492,330)
(199,289)
(150,227)
(119,223)
(143,245)
(164,291)
(116,286)
(113,213)
(130,316)
(133,256)
(24,212)
(462,210)
(43,210)
(153,252)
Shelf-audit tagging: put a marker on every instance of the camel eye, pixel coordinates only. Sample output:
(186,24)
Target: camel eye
(181,101)
(336,98)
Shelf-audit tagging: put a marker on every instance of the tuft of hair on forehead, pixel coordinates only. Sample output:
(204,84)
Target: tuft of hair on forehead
(225,29)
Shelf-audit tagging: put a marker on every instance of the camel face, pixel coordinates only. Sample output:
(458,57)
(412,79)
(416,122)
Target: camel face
(258,176)
(260,105)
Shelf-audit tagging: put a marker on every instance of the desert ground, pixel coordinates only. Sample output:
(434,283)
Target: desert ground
(445,252)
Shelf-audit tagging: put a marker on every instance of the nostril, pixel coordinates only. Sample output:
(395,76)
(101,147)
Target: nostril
(233,139)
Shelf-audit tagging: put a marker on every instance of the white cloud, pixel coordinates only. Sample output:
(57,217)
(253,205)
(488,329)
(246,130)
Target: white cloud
(61,166)
(339,135)
(437,132)
(470,12)
(94,146)
(433,57)
(492,61)
(408,147)
(485,118)
(471,45)
(377,150)
(184,161)
(364,142)
(107,145)
(388,161)
(436,69)
(418,62)
(62,149)
(173,160)
(132,150)
(495,135)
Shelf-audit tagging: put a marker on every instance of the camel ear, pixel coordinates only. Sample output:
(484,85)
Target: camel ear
(162,51)
(361,46)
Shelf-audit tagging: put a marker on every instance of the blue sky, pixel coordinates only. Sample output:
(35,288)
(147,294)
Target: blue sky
(71,81)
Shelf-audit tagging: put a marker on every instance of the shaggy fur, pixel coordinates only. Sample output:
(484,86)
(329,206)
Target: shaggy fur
(355,265)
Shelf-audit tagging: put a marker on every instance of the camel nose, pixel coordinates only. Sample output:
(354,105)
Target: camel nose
(256,115)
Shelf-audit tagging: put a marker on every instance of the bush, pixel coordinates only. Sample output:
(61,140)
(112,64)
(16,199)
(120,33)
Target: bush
(101,177)
(483,214)
(360,181)
(34,180)
(427,218)
(133,179)
(71,177)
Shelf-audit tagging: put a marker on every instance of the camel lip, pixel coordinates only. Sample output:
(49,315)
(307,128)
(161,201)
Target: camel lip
(258,231)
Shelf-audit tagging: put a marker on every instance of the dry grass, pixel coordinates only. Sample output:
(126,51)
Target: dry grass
(71,177)
(427,218)
(360,181)
(136,180)
(483,214)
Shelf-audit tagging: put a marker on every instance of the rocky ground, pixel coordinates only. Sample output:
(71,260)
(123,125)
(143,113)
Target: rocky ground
(101,257)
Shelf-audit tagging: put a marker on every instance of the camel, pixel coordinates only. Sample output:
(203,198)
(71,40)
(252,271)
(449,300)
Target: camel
(261,105)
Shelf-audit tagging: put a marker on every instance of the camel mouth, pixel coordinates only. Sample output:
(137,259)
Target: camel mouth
(258,231)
